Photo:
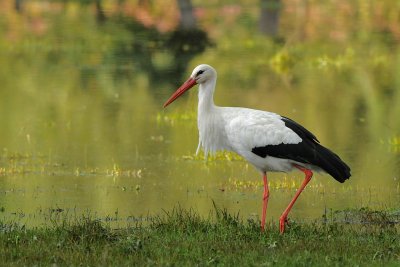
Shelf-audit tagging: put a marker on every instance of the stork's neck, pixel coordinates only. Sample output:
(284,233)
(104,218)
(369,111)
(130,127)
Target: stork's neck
(212,135)
(206,96)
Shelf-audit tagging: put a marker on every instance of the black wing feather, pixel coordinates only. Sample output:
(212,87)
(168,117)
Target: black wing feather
(308,151)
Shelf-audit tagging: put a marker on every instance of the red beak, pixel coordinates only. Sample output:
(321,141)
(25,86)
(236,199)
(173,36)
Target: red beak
(184,87)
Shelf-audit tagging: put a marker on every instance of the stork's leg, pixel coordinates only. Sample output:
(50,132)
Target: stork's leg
(283,218)
(265,201)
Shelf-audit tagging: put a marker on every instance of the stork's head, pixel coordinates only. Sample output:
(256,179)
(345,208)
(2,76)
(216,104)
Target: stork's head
(200,75)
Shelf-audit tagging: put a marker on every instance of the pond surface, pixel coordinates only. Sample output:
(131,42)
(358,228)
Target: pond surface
(83,131)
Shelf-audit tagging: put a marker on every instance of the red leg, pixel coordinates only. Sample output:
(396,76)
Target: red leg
(265,201)
(283,218)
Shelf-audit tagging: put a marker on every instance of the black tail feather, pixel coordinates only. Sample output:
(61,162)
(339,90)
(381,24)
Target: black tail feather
(331,163)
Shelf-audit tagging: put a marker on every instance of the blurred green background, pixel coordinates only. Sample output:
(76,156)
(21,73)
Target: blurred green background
(82,85)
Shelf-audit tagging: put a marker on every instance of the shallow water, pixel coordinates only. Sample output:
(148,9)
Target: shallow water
(84,132)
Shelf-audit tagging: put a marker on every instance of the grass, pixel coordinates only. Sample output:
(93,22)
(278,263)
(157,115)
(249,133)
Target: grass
(183,238)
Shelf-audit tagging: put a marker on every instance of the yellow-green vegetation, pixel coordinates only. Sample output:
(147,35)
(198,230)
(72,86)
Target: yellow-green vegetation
(283,183)
(173,118)
(218,156)
(16,164)
(393,144)
(182,238)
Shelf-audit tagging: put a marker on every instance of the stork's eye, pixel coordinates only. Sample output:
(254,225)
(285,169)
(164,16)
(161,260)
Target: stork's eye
(200,72)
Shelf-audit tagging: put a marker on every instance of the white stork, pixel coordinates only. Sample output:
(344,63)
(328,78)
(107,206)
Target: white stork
(267,140)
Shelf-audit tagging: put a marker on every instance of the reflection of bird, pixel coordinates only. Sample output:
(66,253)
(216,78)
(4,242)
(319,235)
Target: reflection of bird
(267,140)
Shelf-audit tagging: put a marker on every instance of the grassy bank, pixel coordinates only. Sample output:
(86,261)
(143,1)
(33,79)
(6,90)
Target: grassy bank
(181,237)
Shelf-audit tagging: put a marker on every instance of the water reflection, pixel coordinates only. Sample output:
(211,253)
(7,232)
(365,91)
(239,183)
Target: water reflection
(163,57)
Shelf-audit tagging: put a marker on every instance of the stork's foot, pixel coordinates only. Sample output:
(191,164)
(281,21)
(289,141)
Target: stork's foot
(282,221)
